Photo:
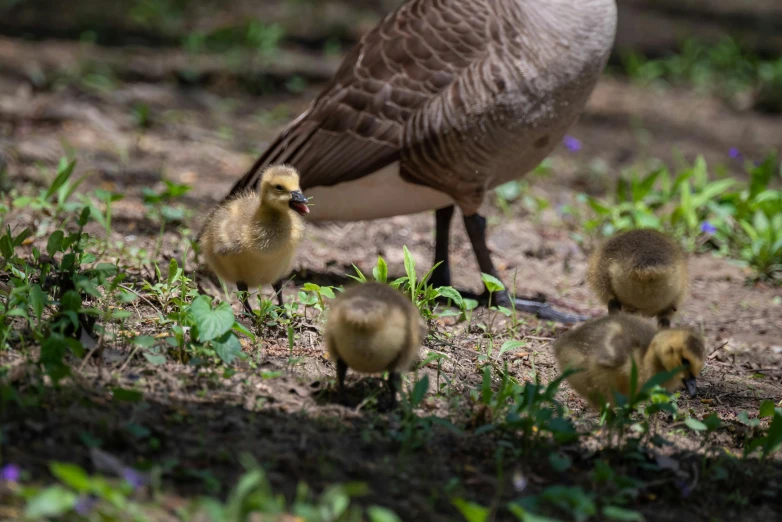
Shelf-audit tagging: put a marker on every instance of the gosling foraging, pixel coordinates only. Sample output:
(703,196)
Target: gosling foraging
(373,328)
(604,349)
(250,239)
(641,270)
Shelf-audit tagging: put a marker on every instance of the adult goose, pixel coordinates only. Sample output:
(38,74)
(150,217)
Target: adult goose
(440,102)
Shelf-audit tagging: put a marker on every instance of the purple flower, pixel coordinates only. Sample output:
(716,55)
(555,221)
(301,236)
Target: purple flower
(133,477)
(684,488)
(11,473)
(519,481)
(735,153)
(85,504)
(572,144)
(708,228)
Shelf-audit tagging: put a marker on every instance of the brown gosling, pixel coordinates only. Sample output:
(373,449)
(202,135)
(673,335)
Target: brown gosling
(373,328)
(251,239)
(604,349)
(641,270)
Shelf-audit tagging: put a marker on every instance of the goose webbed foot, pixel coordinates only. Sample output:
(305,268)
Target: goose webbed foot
(536,306)
(476,231)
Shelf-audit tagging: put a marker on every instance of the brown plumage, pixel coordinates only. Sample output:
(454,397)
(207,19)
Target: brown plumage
(604,349)
(641,271)
(442,101)
(251,239)
(373,328)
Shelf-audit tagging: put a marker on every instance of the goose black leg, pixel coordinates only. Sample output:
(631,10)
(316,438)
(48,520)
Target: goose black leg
(394,382)
(242,287)
(476,231)
(441,275)
(342,369)
(278,290)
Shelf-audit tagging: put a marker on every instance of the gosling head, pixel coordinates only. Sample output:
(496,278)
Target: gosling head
(279,189)
(681,347)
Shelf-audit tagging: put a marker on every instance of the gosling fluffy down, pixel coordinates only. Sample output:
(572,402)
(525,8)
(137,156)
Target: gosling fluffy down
(605,348)
(251,239)
(640,271)
(373,328)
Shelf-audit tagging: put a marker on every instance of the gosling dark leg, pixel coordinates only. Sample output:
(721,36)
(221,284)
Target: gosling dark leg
(664,317)
(242,287)
(614,306)
(394,383)
(441,275)
(476,230)
(278,290)
(342,369)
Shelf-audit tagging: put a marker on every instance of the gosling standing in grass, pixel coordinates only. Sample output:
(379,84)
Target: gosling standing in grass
(373,328)
(250,239)
(604,349)
(640,270)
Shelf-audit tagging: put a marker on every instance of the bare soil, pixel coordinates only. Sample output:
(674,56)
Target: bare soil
(206,133)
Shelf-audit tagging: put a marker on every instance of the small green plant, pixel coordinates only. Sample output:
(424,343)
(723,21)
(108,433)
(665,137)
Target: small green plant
(723,68)
(771,441)
(742,222)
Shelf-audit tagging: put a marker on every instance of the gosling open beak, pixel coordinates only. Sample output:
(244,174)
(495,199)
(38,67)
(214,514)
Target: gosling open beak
(298,202)
(692,388)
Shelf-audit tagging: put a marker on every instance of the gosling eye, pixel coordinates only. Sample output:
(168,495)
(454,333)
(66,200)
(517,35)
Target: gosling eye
(685,362)
(279,188)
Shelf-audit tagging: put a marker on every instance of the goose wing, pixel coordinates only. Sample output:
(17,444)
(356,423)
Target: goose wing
(356,125)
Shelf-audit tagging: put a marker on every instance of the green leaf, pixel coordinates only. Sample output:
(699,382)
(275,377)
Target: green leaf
(71,475)
(511,345)
(451,293)
(173,271)
(525,516)
(6,247)
(560,462)
(695,424)
(486,391)
(471,511)
(55,242)
(626,515)
(712,422)
(492,283)
(380,272)
(227,347)
(766,409)
(327,291)
(410,270)
(64,171)
(37,300)
(125,395)
(773,438)
(381,514)
(53,501)
(144,341)
(509,191)
(155,359)
(419,390)
(211,323)
(743,417)
(361,278)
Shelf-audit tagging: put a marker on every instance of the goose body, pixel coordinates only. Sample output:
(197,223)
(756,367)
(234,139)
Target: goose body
(440,102)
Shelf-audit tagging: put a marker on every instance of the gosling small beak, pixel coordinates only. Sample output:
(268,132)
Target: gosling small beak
(692,388)
(299,202)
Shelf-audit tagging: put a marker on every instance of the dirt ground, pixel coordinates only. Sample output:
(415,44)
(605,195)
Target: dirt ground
(206,133)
